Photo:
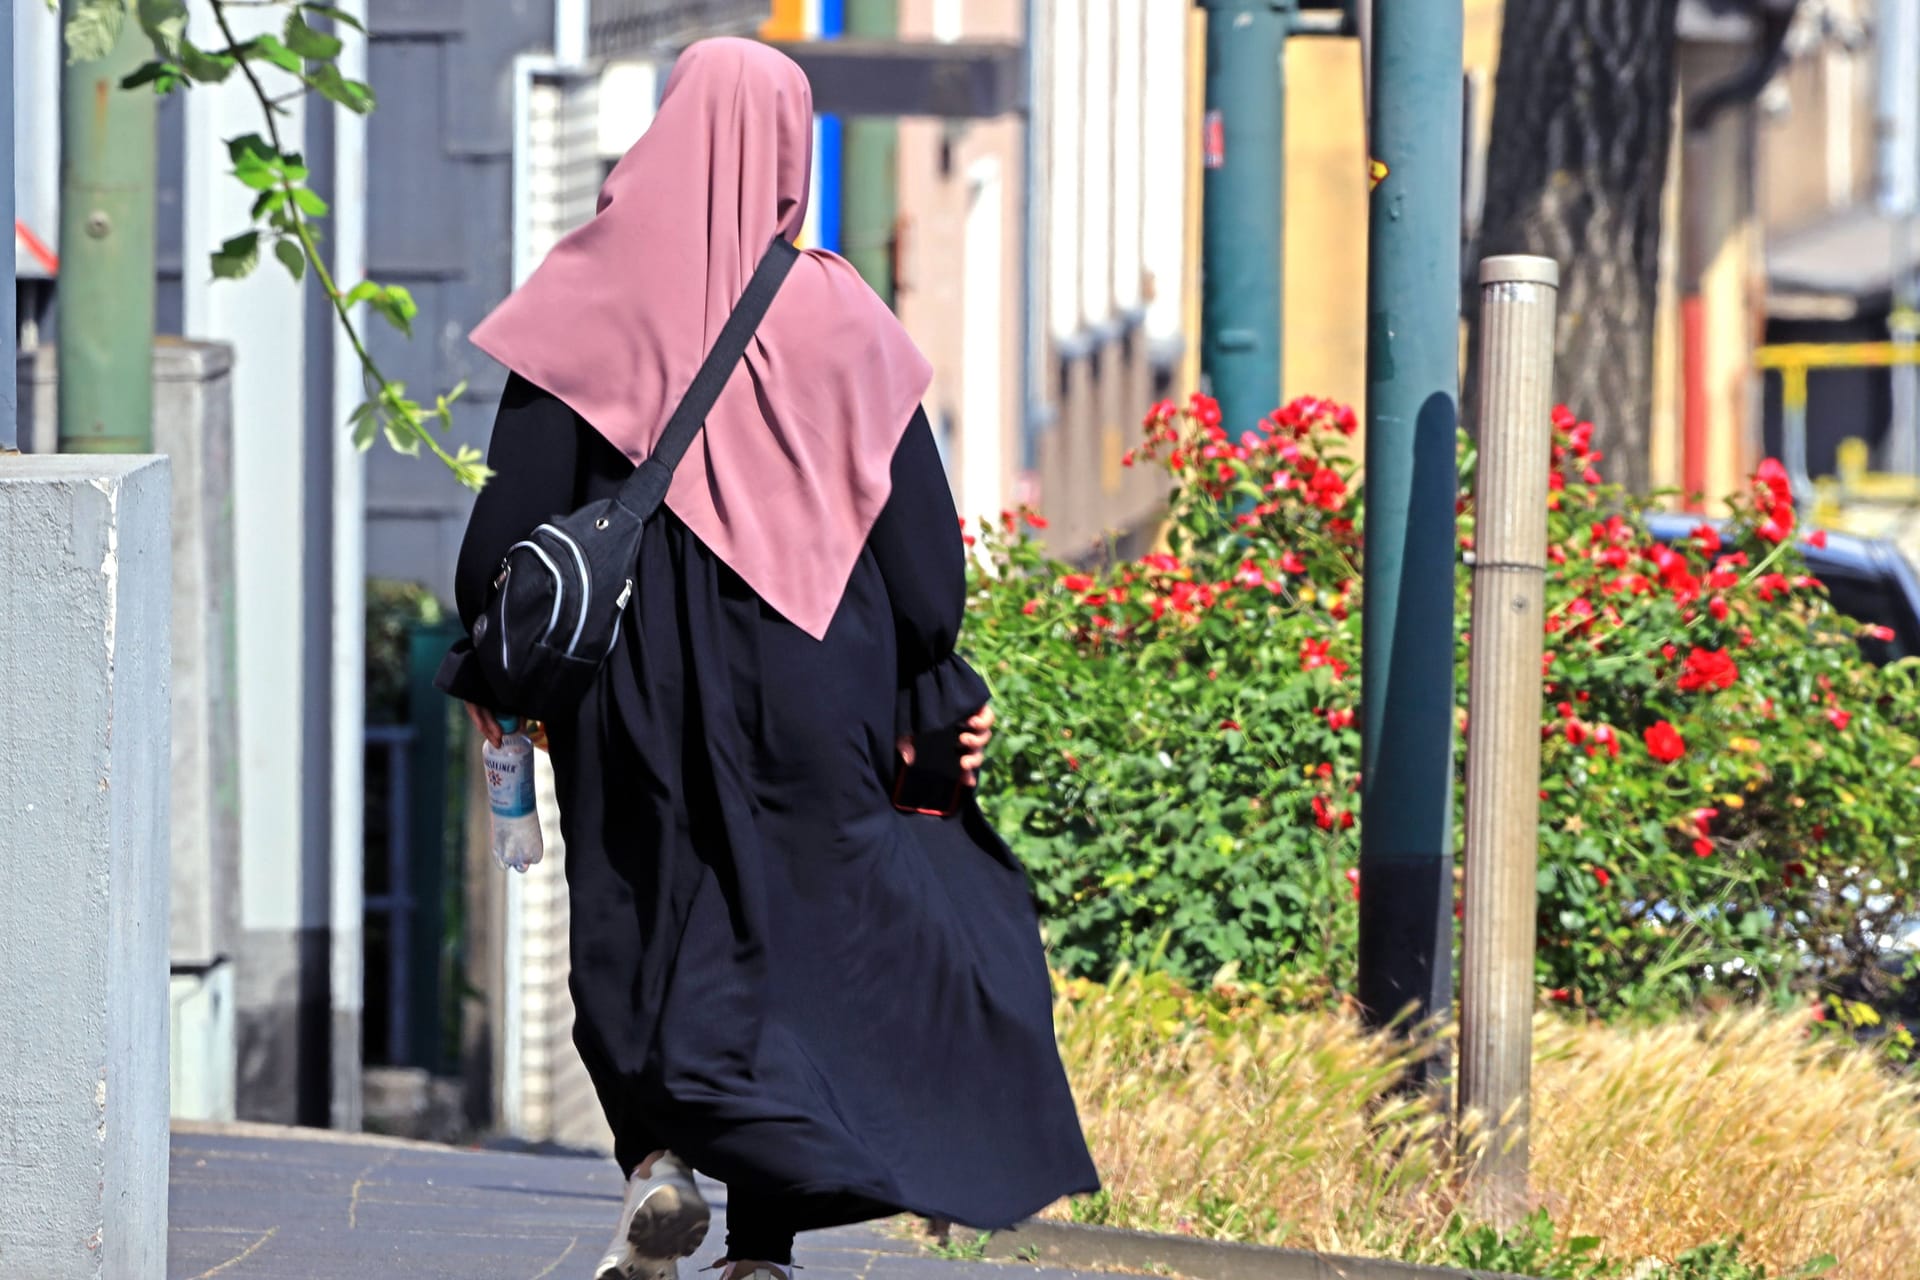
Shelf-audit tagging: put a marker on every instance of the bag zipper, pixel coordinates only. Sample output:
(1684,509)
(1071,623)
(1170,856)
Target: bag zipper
(586,585)
(559,585)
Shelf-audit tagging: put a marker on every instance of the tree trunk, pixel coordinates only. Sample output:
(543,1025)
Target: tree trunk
(1582,123)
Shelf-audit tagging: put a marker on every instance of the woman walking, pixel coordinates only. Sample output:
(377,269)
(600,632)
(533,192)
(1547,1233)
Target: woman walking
(837,1008)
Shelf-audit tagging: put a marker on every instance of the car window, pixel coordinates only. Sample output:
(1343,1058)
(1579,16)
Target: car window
(1869,600)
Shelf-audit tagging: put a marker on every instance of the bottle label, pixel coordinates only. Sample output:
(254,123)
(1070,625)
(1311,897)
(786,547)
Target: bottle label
(510,785)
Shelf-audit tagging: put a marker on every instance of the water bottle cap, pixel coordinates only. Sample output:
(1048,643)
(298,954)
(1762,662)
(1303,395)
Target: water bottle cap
(509,724)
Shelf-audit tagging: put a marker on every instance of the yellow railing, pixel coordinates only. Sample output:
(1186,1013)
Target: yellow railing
(1794,361)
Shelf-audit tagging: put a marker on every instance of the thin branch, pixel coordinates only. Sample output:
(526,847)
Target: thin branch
(369,367)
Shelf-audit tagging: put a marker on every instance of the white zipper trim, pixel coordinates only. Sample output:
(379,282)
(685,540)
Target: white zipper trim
(506,580)
(586,586)
(559,585)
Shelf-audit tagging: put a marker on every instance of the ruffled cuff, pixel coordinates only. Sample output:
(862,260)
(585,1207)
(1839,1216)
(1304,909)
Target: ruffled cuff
(940,697)
(460,676)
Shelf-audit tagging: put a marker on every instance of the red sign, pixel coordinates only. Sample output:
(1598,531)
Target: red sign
(1214,140)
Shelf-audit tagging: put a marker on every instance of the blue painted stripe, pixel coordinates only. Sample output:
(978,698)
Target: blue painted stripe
(827,162)
(826,220)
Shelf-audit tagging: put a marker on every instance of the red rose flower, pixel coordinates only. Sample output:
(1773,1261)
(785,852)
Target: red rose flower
(1600,874)
(1839,718)
(1340,719)
(1030,608)
(1708,539)
(1708,669)
(1077,583)
(1664,742)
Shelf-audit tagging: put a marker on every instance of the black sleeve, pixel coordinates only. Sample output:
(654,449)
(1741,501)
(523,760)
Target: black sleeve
(534,454)
(917,544)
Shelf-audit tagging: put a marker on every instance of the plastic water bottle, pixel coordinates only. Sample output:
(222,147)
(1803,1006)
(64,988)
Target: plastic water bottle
(516,826)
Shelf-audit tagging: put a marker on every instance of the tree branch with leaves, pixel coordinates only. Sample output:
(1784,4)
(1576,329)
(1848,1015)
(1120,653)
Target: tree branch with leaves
(286,211)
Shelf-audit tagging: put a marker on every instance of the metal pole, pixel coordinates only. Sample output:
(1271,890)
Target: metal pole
(1898,126)
(9,420)
(106,254)
(1242,206)
(871,155)
(1515,394)
(1413,376)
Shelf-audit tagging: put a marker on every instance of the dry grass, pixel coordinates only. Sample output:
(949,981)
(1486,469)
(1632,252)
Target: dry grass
(1287,1130)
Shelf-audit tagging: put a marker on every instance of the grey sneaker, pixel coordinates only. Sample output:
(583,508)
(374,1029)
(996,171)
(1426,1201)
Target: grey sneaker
(663,1220)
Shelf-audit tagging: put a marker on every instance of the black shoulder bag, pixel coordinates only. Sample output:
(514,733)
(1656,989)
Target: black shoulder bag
(553,613)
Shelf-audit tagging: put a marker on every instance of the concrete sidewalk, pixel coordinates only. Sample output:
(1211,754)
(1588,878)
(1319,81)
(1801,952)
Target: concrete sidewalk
(257,1204)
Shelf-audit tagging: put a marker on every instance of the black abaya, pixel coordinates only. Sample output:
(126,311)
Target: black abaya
(821,1001)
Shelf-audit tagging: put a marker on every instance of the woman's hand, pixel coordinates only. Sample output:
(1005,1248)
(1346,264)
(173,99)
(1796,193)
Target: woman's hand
(489,728)
(485,724)
(974,738)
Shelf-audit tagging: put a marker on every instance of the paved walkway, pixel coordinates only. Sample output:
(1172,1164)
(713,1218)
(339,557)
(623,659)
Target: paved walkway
(283,1205)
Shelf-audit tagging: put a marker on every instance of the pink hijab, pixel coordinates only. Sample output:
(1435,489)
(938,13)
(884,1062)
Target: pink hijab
(795,462)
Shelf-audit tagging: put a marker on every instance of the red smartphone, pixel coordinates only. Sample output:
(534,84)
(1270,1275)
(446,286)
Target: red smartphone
(934,783)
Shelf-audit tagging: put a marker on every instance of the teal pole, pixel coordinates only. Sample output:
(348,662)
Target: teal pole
(1413,396)
(870,160)
(1243,189)
(107,173)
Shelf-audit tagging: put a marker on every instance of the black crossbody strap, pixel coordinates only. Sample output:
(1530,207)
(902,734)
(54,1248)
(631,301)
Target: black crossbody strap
(644,490)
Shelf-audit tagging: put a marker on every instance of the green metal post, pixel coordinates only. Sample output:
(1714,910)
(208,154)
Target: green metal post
(430,866)
(1243,197)
(1413,395)
(106,254)
(870,183)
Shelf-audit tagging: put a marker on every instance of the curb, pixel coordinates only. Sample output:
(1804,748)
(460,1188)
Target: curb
(1083,1248)
(301,1133)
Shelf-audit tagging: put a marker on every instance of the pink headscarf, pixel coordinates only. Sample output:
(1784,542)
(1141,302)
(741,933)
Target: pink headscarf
(795,462)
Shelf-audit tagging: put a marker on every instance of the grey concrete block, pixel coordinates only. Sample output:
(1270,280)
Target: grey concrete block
(84,602)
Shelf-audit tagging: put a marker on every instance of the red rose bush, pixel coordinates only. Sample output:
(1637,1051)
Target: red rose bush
(1731,794)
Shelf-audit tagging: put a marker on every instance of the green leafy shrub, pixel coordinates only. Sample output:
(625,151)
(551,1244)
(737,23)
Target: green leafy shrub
(1729,800)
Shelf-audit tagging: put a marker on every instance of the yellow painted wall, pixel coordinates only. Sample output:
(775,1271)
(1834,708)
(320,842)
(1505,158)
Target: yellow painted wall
(1325,346)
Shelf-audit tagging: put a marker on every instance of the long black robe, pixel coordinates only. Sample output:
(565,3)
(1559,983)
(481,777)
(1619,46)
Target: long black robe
(809,995)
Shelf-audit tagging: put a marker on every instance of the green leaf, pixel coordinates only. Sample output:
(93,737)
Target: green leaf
(365,291)
(93,28)
(165,22)
(337,14)
(402,441)
(292,259)
(270,49)
(269,202)
(307,42)
(398,306)
(326,80)
(310,202)
(163,75)
(365,422)
(204,67)
(237,257)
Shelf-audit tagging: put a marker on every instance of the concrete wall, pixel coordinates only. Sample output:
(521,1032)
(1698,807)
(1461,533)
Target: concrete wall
(83,924)
(440,222)
(193,427)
